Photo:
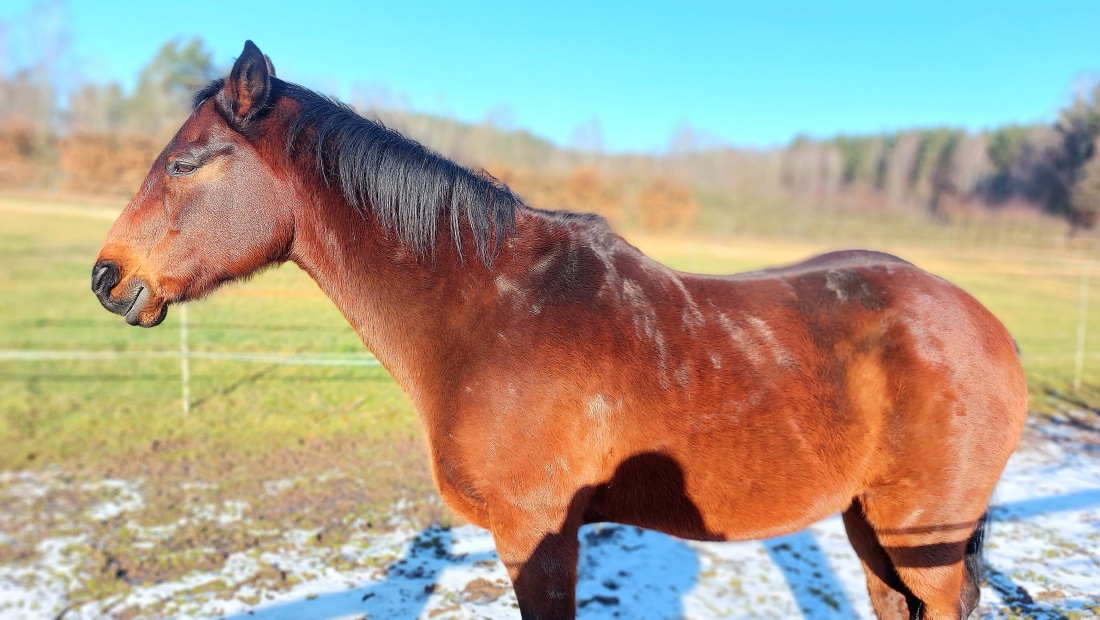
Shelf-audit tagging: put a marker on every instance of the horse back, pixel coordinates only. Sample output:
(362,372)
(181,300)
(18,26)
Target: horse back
(721,407)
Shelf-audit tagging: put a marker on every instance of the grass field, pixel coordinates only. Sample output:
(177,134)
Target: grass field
(339,443)
(89,413)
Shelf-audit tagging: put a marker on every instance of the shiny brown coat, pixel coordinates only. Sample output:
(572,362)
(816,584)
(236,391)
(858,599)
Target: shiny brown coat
(575,380)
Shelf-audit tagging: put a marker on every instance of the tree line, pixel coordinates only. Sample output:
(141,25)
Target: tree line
(98,138)
(1048,167)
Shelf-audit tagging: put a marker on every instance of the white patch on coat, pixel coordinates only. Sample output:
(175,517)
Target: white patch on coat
(600,411)
(644,317)
(691,316)
(506,287)
(632,294)
(598,408)
(509,290)
(781,355)
(683,376)
(834,281)
(605,250)
(536,275)
(742,339)
(559,464)
(543,264)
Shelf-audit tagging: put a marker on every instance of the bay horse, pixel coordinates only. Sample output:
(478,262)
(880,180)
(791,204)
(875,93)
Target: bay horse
(563,377)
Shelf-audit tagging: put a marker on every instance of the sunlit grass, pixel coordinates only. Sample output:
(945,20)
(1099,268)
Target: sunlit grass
(89,412)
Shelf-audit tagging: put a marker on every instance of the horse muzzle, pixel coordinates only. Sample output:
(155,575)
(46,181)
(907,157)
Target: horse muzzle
(136,302)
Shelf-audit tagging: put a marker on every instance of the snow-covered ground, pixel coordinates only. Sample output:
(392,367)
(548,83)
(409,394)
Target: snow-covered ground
(1043,557)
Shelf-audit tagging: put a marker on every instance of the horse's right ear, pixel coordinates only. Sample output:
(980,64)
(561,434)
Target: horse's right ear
(249,85)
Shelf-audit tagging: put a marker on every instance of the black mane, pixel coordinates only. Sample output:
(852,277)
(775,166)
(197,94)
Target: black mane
(407,186)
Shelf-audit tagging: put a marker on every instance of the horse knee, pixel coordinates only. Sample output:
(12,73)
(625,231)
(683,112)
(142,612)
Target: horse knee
(945,576)
(889,597)
(542,565)
(545,577)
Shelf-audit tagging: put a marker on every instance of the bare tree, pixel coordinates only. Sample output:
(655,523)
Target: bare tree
(162,97)
(588,137)
(1085,198)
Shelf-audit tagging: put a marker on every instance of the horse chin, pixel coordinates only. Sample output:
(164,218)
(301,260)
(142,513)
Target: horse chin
(147,311)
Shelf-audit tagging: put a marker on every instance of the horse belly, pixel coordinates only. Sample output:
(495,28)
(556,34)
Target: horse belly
(724,492)
(780,502)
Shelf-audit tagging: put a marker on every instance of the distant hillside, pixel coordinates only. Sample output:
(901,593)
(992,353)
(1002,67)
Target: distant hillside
(100,140)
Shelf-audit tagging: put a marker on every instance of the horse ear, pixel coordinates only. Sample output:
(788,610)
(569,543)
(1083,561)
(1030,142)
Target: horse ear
(249,84)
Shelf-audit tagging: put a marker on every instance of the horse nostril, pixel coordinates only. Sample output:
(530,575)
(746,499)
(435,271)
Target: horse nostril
(104,277)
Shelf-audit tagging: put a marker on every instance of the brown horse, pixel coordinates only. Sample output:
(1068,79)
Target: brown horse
(562,377)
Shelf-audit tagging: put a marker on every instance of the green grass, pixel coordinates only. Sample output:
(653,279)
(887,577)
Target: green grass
(85,411)
(88,413)
(342,442)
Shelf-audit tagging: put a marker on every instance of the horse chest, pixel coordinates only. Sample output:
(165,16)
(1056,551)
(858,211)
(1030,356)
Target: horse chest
(455,481)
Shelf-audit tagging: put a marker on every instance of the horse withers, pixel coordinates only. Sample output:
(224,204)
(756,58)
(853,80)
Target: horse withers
(562,377)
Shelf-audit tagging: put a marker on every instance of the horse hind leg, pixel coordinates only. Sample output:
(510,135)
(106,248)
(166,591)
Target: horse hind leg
(974,564)
(939,571)
(890,598)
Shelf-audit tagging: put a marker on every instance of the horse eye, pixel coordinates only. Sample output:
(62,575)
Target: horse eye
(180,168)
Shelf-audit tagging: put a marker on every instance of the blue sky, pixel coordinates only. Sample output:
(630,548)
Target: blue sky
(749,73)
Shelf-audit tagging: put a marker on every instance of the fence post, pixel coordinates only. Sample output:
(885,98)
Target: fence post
(1082,314)
(185,362)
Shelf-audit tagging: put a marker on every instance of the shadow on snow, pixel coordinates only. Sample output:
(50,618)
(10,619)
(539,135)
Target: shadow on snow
(630,572)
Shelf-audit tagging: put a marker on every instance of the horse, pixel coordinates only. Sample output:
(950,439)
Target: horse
(562,377)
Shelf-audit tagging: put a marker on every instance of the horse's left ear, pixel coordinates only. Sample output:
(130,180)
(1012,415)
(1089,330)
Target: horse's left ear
(249,84)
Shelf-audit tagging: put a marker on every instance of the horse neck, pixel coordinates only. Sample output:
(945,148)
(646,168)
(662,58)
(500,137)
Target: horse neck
(412,312)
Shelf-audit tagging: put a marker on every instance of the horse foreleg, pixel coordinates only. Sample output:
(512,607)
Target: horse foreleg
(540,551)
(890,598)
